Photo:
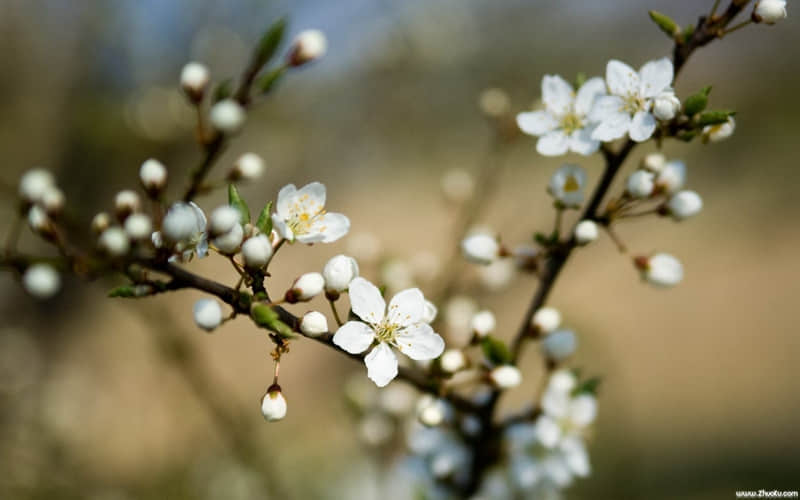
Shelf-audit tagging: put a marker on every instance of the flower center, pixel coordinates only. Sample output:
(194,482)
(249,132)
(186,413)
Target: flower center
(571,122)
(386,332)
(633,103)
(303,215)
(571,184)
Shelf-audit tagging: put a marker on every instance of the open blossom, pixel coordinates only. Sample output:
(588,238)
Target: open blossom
(400,326)
(300,215)
(563,125)
(628,110)
(566,185)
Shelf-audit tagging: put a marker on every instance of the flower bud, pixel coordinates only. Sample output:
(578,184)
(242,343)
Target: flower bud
(431,411)
(672,177)
(229,242)
(39,222)
(256,251)
(480,248)
(182,221)
(114,242)
(586,232)
(666,106)
(194,80)
(560,344)
(248,167)
(506,376)
(430,312)
(308,45)
(641,184)
(305,288)
(769,11)
(207,314)
(546,319)
(452,360)
(227,116)
(483,323)
(100,223)
(314,324)
(273,405)
(662,270)
(138,227)
(338,272)
(654,162)
(34,184)
(717,133)
(458,185)
(125,203)
(53,200)
(684,204)
(223,219)
(153,175)
(41,281)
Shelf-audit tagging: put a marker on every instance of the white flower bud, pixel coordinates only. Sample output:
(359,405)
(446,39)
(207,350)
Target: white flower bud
(431,411)
(338,272)
(53,200)
(273,405)
(546,319)
(100,222)
(138,227)
(126,202)
(194,80)
(256,251)
(305,288)
(222,220)
(717,133)
(480,248)
(207,314)
(38,220)
(586,231)
(662,270)
(769,11)
(666,106)
(308,45)
(229,242)
(583,410)
(114,242)
(34,184)
(560,344)
(483,323)
(453,360)
(685,204)
(314,324)
(506,376)
(182,222)
(153,175)
(249,167)
(41,281)
(457,185)
(672,177)
(227,116)
(494,102)
(641,184)
(430,312)
(654,162)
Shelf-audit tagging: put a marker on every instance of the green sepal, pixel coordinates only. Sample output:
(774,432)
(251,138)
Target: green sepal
(588,386)
(495,350)
(223,90)
(666,23)
(714,118)
(236,201)
(266,317)
(270,40)
(264,222)
(696,103)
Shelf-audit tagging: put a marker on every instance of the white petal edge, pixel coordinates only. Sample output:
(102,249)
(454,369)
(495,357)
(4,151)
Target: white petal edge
(536,122)
(354,337)
(381,365)
(581,142)
(335,226)
(553,143)
(406,307)
(420,343)
(589,91)
(642,126)
(366,301)
(312,194)
(286,197)
(656,76)
(621,79)
(557,94)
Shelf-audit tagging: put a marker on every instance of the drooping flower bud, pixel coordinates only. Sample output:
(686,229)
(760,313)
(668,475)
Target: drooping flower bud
(227,116)
(229,242)
(114,242)
(222,220)
(452,360)
(684,204)
(207,314)
(53,201)
(717,133)
(308,46)
(305,288)
(662,270)
(273,404)
(153,175)
(431,411)
(248,167)
(546,319)
(125,203)
(313,324)
(586,231)
(256,251)
(641,184)
(654,162)
(194,80)
(338,272)
(769,11)
(41,281)
(672,177)
(34,184)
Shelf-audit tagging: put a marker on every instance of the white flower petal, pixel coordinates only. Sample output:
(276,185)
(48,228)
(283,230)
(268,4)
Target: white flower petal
(581,142)
(354,337)
(589,91)
(312,195)
(333,226)
(557,94)
(381,365)
(280,226)
(611,130)
(656,76)
(622,80)
(536,122)
(553,143)
(419,342)
(642,126)
(366,301)
(286,197)
(607,108)
(548,432)
(406,307)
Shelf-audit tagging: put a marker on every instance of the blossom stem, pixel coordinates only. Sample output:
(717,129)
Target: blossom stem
(615,238)
(736,27)
(714,9)
(335,312)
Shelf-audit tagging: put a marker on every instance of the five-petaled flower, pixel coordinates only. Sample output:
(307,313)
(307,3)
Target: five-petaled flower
(300,215)
(400,326)
(563,125)
(628,110)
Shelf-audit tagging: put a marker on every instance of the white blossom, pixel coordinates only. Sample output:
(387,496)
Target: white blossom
(301,215)
(153,175)
(227,116)
(717,133)
(586,231)
(207,314)
(560,344)
(666,106)
(41,281)
(126,202)
(546,319)
(684,204)
(256,251)
(194,79)
(641,184)
(430,312)
(654,162)
(308,46)
(338,272)
(662,270)
(306,287)
(34,183)
(564,125)
(628,109)
(249,167)
(313,324)
(672,177)
(453,360)
(566,185)
(506,376)
(38,220)
(222,220)
(480,248)
(230,242)
(184,229)
(483,323)
(769,11)
(138,227)
(273,404)
(399,326)
(114,241)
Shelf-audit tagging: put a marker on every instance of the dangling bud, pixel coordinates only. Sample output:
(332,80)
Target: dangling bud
(125,203)
(338,272)
(41,281)
(40,223)
(230,242)
(654,162)
(138,227)
(207,314)
(153,175)
(769,11)
(641,184)
(248,167)
(717,133)
(546,319)
(34,184)
(227,116)
(256,251)
(480,248)
(586,232)
(194,80)
(313,324)
(305,288)
(662,270)
(53,201)
(505,377)
(114,242)
(672,177)
(684,204)
(308,46)
(273,404)
(100,223)
(222,220)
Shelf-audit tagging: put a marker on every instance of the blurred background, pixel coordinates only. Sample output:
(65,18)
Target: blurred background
(105,399)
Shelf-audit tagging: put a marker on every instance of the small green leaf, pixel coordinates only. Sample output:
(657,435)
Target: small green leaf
(266,82)
(714,118)
(687,135)
(696,103)
(269,42)
(236,201)
(124,291)
(264,222)
(666,23)
(495,350)
(688,33)
(588,386)
(223,90)
(266,317)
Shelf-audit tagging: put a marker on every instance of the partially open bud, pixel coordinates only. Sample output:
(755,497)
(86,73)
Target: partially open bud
(53,201)
(480,248)
(684,204)
(546,319)
(560,344)
(666,106)
(41,281)
(248,167)
(641,184)
(194,80)
(769,11)
(483,323)
(227,116)
(100,223)
(717,133)
(207,314)
(308,46)
(229,242)
(662,270)
(34,184)
(153,175)
(654,162)
(313,324)
(586,231)
(256,251)
(672,177)
(273,405)
(305,288)
(505,376)
(125,203)
(338,272)
(452,360)
(114,242)
(431,411)
(138,227)
(222,220)
(430,312)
